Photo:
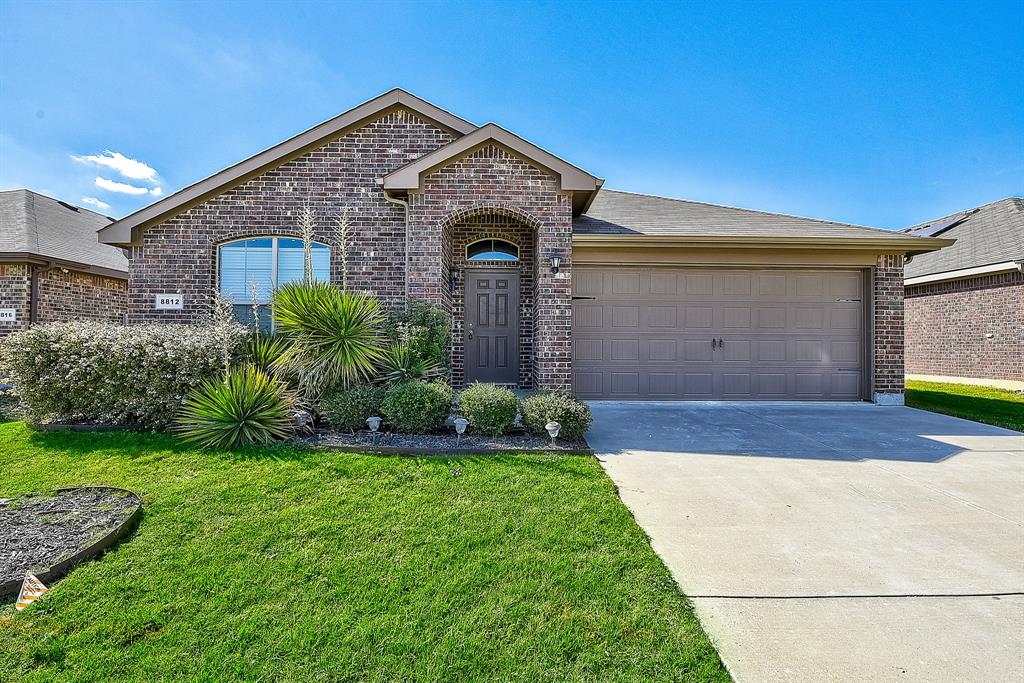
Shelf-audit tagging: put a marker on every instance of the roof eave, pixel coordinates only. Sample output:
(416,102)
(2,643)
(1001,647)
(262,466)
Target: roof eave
(124,232)
(904,245)
(36,259)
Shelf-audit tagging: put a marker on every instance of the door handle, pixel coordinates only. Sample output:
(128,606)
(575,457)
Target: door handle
(713,342)
(470,334)
(721,343)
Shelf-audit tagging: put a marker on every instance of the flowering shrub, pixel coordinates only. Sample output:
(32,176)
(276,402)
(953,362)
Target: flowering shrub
(103,372)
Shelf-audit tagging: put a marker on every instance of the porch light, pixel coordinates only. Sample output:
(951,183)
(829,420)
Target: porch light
(460,428)
(556,261)
(453,276)
(553,429)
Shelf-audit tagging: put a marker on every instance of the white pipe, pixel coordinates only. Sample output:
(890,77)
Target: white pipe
(404,204)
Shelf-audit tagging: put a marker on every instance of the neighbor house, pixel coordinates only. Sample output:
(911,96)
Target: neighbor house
(52,268)
(965,304)
(550,280)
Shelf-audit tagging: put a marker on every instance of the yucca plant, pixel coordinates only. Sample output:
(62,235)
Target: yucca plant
(264,351)
(401,363)
(334,337)
(248,407)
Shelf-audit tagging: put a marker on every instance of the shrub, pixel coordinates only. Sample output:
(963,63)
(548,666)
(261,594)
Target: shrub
(264,351)
(427,328)
(553,406)
(104,372)
(401,364)
(334,337)
(249,407)
(348,408)
(489,408)
(417,407)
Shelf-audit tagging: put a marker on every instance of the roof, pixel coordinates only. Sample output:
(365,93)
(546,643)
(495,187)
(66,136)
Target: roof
(618,214)
(986,235)
(571,178)
(124,231)
(36,226)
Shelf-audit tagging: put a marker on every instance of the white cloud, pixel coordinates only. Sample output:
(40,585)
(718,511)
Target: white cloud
(129,168)
(125,188)
(99,204)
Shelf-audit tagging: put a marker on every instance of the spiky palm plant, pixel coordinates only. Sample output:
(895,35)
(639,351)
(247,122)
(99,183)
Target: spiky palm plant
(401,363)
(334,337)
(264,351)
(248,407)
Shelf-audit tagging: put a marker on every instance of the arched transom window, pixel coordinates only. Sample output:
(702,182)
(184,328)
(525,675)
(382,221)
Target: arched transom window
(492,249)
(261,264)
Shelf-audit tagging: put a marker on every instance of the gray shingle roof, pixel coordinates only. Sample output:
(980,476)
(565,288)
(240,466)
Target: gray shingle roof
(36,225)
(625,213)
(993,233)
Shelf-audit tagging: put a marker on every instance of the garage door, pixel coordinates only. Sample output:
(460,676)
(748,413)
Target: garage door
(717,334)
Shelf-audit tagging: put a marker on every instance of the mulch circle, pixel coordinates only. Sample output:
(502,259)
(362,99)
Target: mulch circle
(444,443)
(49,533)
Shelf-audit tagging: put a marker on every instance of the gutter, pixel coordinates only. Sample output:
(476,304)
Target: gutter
(405,205)
(1004,267)
(911,245)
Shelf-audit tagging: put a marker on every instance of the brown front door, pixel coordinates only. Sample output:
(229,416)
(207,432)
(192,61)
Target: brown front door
(492,326)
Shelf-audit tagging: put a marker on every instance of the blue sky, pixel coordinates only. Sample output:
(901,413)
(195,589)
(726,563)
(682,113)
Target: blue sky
(881,114)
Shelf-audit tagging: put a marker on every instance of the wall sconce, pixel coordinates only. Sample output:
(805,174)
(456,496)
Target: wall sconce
(556,261)
(453,277)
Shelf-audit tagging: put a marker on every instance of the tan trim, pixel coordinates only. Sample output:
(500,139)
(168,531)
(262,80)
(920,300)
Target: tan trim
(891,245)
(571,178)
(125,232)
(15,257)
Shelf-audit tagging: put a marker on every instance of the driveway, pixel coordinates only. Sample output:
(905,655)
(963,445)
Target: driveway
(832,542)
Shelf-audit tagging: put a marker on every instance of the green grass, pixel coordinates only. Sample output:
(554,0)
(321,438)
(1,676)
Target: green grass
(981,404)
(286,564)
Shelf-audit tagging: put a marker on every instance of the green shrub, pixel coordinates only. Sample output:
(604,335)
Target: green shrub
(428,330)
(334,337)
(553,406)
(117,374)
(489,408)
(348,408)
(401,364)
(249,407)
(417,407)
(264,351)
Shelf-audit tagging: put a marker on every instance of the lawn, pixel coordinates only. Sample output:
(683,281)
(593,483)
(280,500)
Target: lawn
(981,404)
(286,564)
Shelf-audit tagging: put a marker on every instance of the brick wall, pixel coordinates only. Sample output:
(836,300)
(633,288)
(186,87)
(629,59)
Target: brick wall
(64,295)
(15,292)
(74,295)
(179,255)
(488,181)
(888,330)
(971,327)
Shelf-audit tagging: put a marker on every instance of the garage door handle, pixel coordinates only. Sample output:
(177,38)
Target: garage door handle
(713,342)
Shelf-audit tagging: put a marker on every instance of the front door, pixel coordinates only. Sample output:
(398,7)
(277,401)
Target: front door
(492,326)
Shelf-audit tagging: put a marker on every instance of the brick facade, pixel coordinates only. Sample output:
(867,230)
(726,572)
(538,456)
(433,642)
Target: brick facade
(64,295)
(180,254)
(887,316)
(973,327)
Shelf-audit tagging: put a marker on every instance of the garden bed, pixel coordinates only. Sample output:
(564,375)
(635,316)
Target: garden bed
(443,444)
(49,533)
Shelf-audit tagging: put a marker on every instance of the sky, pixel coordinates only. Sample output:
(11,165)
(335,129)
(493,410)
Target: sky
(875,113)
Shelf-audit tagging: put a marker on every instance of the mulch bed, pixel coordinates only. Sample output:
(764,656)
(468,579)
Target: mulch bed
(443,443)
(48,533)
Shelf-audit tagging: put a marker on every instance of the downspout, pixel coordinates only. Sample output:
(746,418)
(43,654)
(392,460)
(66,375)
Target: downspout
(33,297)
(405,205)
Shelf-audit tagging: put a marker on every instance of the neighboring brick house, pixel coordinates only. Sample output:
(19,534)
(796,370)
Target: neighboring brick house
(52,268)
(965,304)
(550,280)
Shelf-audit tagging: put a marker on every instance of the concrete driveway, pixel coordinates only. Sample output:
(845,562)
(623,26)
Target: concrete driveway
(832,542)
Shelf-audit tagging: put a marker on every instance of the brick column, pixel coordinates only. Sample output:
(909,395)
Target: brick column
(887,300)
(552,327)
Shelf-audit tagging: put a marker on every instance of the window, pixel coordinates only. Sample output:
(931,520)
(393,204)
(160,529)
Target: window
(492,250)
(263,264)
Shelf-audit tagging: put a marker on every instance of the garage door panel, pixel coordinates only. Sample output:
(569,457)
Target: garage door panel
(654,333)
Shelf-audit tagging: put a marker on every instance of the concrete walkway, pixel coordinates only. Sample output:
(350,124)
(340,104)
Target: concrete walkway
(832,542)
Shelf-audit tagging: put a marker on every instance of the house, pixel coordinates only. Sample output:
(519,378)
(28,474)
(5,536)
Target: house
(551,280)
(52,268)
(965,304)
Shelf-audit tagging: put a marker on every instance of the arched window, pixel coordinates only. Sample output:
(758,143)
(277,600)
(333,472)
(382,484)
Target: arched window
(492,250)
(260,265)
